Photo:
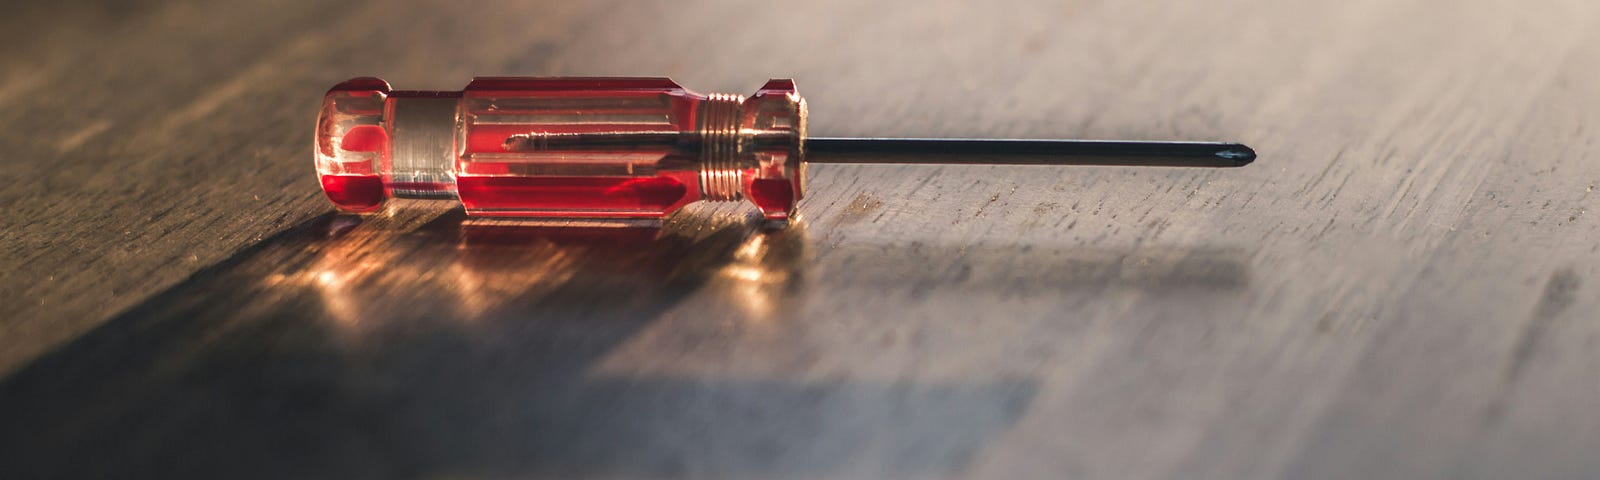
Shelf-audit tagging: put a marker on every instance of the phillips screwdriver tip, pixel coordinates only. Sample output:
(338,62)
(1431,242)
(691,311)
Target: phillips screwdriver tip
(1239,154)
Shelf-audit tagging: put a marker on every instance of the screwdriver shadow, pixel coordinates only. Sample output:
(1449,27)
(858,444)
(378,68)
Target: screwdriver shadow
(428,347)
(1027,270)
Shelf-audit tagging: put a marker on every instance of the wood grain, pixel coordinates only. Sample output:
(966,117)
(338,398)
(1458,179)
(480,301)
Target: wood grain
(1402,287)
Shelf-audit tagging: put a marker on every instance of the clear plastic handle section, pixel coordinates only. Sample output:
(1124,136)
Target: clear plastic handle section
(578,147)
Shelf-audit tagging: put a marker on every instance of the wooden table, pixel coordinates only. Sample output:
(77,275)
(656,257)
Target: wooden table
(1406,285)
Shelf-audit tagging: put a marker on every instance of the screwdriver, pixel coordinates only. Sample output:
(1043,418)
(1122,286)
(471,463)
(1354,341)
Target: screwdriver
(563,147)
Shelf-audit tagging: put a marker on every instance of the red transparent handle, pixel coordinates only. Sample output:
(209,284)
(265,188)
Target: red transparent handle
(562,147)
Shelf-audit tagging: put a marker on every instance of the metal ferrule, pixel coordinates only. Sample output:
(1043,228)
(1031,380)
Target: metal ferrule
(721,147)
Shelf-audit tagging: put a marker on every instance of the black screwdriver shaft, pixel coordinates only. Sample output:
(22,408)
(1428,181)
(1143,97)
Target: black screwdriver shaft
(964,151)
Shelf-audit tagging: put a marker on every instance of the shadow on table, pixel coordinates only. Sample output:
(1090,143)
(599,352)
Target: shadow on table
(441,348)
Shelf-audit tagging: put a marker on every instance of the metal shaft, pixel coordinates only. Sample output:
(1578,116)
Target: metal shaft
(964,151)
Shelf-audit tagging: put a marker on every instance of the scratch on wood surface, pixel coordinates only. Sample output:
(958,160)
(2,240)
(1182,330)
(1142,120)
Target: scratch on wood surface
(1558,295)
(78,138)
(859,208)
(1338,158)
(992,198)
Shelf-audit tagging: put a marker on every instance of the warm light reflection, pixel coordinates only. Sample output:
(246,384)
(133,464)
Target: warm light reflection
(484,277)
(762,270)
(465,272)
